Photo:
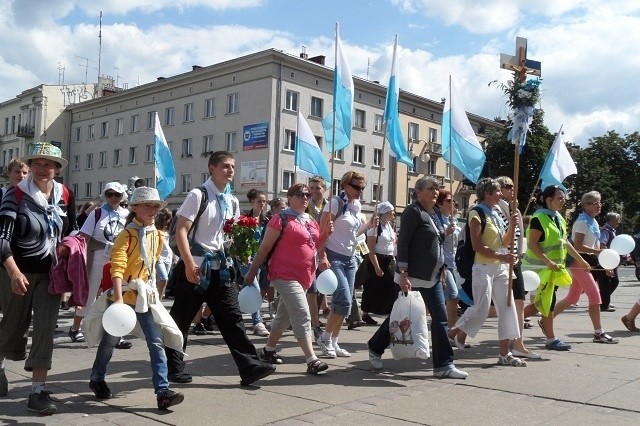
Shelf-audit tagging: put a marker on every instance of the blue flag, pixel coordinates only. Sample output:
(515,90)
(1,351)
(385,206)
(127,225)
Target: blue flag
(308,154)
(165,169)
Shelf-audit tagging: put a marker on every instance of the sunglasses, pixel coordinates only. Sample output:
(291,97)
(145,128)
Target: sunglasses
(112,194)
(302,194)
(356,187)
(507,186)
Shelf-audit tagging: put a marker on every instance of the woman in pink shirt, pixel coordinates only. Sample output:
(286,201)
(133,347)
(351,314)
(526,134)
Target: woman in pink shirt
(292,265)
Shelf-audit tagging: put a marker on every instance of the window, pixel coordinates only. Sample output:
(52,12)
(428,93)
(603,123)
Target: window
(287,180)
(6,125)
(135,123)
(101,186)
(433,135)
(209,107)
(151,120)
(414,131)
(87,190)
(339,154)
(76,162)
(230,141)
(289,140)
(360,119)
(377,157)
(78,133)
(431,167)
(17,152)
(447,171)
(103,159)
(410,195)
(149,153)
(207,144)
(104,129)
(185,183)
(91,132)
(232,103)
(291,101)
(75,189)
(186,148)
(13,124)
(119,126)
(89,161)
(374,192)
(358,154)
(316,107)
(133,155)
(188,112)
(319,141)
(336,188)
(204,177)
(117,157)
(378,123)
(168,116)
(414,165)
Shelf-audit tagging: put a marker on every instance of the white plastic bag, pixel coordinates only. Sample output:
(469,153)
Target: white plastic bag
(408,327)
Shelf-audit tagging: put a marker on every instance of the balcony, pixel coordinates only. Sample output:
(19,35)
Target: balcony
(433,148)
(26,131)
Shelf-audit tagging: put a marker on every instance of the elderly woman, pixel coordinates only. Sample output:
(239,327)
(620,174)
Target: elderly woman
(342,213)
(490,273)
(34,216)
(420,262)
(292,266)
(586,240)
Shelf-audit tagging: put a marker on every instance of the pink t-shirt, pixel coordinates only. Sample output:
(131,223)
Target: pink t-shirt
(294,257)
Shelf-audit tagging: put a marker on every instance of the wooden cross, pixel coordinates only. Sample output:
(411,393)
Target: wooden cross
(519,63)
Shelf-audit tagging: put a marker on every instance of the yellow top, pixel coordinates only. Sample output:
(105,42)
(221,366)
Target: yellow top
(126,258)
(491,237)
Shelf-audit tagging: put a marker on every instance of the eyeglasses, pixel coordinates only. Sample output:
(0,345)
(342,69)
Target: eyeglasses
(112,194)
(356,187)
(302,194)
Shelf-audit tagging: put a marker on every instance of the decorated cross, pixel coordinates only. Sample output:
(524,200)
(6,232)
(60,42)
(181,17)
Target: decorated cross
(519,63)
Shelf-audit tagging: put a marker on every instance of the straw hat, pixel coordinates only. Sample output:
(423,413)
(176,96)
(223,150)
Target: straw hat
(45,150)
(146,195)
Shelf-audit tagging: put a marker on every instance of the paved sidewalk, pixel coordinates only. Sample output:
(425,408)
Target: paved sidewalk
(591,384)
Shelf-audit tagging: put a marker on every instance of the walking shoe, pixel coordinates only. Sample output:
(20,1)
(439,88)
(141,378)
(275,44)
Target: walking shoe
(451,373)
(100,389)
(608,309)
(208,324)
(557,345)
(326,347)
(76,336)
(375,360)
(41,403)
(124,344)
(4,383)
(64,306)
(603,338)
(341,352)
(316,366)
(169,398)
(260,330)
(271,356)
(180,377)
(368,320)
(199,330)
(257,372)
(354,324)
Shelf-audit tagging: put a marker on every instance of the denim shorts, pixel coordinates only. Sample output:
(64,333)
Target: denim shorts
(345,269)
(162,270)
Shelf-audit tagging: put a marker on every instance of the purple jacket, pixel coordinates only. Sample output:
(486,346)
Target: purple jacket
(70,274)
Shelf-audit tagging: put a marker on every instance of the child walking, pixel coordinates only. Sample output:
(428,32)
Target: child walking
(133,257)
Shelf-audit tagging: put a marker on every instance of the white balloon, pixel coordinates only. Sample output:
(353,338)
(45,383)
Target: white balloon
(531,280)
(623,244)
(327,282)
(609,259)
(249,299)
(119,319)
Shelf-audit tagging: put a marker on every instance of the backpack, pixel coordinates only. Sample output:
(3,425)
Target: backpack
(465,255)
(173,244)
(284,219)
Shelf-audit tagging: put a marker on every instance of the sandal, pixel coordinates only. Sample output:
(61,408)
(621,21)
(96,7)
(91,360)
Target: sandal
(631,325)
(316,366)
(511,360)
(557,345)
(542,327)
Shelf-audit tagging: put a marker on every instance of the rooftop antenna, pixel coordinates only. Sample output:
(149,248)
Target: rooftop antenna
(60,73)
(368,64)
(99,52)
(86,67)
(117,74)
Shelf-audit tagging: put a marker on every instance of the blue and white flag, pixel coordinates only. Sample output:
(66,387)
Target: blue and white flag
(397,145)
(165,169)
(342,103)
(558,164)
(308,154)
(460,145)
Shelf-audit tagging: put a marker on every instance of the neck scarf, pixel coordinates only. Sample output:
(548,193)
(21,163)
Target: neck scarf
(147,254)
(592,223)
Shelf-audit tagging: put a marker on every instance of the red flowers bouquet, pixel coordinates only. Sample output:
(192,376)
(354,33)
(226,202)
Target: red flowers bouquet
(244,235)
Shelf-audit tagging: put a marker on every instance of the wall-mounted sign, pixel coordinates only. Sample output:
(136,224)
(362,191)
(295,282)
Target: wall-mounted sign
(253,174)
(255,136)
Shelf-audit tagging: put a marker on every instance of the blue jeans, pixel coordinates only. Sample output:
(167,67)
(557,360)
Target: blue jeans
(345,269)
(442,353)
(451,292)
(155,343)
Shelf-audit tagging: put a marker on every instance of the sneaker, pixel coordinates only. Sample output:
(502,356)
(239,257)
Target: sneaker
(41,403)
(271,356)
(180,377)
(124,344)
(64,306)
(375,360)
(316,366)
(76,335)
(4,384)
(368,320)
(603,338)
(341,352)
(169,398)
(326,347)
(199,330)
(100,389)
(451,373)
(557,345)
(257,372)
(260,330)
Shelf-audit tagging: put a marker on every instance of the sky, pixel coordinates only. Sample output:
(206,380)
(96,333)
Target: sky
(588,48)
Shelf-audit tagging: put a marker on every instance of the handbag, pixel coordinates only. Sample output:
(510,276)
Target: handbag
(364,272)
(408,327)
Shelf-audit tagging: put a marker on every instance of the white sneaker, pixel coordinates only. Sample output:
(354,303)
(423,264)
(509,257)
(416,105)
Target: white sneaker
(375,360)
(451,373)
(260,330)
(327,347)
(341,352)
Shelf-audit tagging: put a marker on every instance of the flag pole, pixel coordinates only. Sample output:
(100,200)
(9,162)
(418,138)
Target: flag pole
(155,160)
(450,153)
(333,126)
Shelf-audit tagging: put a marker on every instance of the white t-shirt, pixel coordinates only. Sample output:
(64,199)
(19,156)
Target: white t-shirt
(344,238)
(108,226)
(581,227)
(386,243)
